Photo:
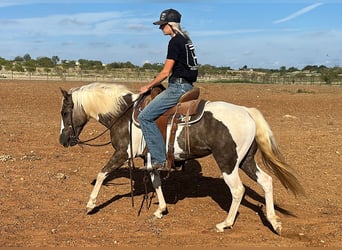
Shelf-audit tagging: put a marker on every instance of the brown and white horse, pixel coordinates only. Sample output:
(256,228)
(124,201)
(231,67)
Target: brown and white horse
(231,133)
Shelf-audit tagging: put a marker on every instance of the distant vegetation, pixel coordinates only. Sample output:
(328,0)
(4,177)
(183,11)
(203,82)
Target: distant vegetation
(54,68)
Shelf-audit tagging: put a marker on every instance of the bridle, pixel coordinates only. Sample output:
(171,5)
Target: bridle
(86,142)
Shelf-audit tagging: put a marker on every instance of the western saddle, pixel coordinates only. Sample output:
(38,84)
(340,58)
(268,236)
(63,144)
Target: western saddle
(189,109)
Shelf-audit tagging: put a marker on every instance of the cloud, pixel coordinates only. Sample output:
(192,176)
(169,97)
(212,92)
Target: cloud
(211,33)
(8,3)
(99,24)
(298,13)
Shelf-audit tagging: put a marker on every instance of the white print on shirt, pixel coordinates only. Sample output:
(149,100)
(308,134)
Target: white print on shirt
(191,58)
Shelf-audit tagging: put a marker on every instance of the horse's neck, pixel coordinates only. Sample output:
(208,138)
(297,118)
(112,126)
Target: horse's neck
(109,120)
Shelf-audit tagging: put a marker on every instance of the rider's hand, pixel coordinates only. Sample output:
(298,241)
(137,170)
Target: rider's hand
(144,89)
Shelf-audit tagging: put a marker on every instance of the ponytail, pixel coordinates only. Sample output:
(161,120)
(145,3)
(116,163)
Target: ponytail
(178,30)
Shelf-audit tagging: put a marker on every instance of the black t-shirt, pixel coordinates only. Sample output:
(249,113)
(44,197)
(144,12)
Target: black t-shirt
(182,51)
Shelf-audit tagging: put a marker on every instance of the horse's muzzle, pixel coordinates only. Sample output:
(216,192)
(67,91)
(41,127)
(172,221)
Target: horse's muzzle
(68,141)
(73,141)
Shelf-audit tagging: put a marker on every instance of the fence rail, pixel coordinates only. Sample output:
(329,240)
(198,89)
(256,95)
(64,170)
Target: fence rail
(145,76)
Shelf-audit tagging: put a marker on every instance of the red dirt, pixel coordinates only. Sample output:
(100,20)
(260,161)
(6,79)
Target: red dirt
(45,187)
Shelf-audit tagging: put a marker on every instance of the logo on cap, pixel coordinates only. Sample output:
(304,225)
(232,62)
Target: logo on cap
(163,16)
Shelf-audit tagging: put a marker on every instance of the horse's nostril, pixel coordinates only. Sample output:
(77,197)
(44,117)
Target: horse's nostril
(63,140)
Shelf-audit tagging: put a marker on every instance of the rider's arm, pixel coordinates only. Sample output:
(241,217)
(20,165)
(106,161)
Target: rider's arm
(164,73)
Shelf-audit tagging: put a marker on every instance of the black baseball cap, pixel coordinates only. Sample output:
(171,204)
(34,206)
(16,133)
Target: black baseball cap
(169,15)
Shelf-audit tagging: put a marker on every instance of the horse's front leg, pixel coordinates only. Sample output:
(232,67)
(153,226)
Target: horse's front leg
(94,193)
(156,182)
(116,161)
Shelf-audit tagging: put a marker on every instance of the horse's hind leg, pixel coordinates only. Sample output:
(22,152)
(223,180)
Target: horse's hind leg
(265,182)
(250,167)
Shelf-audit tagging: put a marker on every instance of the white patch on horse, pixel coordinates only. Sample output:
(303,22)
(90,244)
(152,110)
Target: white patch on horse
(62,127)
(138,142)
(178,151)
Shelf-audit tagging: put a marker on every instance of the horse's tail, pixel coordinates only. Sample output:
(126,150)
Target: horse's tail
(271,155)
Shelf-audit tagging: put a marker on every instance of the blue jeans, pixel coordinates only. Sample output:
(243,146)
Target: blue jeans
(161,103)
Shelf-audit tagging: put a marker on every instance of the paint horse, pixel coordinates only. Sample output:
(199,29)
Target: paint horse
(232,134)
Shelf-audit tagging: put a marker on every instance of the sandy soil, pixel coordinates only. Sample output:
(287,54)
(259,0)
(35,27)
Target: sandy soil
(45,187)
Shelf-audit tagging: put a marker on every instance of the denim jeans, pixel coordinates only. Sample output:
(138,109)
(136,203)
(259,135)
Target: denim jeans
(161,103)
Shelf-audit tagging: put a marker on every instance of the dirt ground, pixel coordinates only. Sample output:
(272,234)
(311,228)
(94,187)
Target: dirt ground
(45,187)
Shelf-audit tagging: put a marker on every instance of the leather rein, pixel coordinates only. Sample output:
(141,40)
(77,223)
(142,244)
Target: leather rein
(86,142)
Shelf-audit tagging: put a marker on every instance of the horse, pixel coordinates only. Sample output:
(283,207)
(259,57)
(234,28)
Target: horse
(232,134)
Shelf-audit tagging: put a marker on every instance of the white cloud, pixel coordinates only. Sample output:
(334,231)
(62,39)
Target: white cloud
(298,13)
(272,50)
(100,24)
(211,33)
(6,3)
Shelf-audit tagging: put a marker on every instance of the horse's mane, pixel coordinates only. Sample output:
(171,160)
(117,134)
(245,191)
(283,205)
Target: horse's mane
(99,98)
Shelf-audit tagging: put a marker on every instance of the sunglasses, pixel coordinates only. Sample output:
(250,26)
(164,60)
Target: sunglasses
(162,26)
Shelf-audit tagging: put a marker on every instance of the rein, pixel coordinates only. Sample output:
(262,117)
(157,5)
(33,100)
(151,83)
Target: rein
(79,142)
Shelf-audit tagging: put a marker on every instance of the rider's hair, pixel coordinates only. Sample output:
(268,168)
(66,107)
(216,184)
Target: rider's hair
(178,30)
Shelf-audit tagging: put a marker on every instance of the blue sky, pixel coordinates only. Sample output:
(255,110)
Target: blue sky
(259,34)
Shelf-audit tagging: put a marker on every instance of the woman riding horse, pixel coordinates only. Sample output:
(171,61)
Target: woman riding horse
(181,63)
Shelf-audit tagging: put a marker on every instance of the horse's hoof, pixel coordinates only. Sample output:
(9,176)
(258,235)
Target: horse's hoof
(158,214)
(276,224)
(278,230)
(90,210)
(222,226)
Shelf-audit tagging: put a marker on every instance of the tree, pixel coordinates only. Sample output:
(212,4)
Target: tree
(18,59)
(207,69)
(282,70)
(55,60)
(19,68)
(292,69)
(120,65)
(66,64)
(30,66)
(44,62)
(154,66)
(90,64)
(328,75)
(2,61)
(311,68)
(244,67)
(129,65)
(27,57)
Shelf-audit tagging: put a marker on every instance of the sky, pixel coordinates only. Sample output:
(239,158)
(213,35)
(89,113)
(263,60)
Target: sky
(237,33)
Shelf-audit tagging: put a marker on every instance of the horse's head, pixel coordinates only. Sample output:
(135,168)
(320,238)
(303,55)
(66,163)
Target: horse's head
(73,121)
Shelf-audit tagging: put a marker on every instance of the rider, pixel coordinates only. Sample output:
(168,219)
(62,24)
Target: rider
(182,69)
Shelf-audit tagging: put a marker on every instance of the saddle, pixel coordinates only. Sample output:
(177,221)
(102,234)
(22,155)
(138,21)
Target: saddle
(188,110)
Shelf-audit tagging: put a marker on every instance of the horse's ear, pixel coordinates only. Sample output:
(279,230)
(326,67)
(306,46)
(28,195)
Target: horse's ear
(64,93)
